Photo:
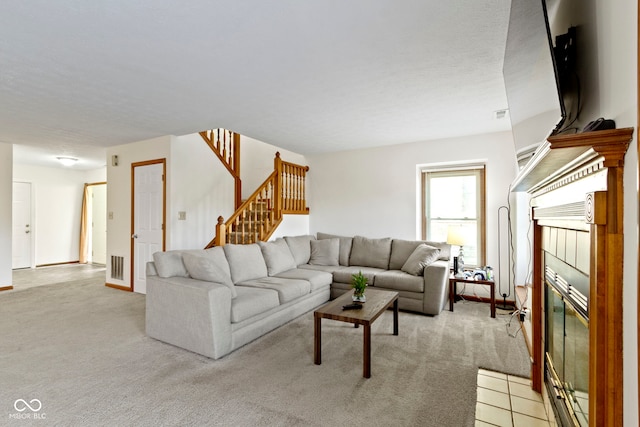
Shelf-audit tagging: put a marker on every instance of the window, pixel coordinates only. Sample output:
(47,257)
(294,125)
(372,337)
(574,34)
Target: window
(455,197)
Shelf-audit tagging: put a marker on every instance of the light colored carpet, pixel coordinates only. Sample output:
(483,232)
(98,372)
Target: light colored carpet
(80,349)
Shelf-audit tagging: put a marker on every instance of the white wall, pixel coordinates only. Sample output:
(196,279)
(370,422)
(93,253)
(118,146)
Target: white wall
(618,72)
(56,204)
(6,191)
(375,192)
(119,197)
(257,162)
(201,187)
(292,225)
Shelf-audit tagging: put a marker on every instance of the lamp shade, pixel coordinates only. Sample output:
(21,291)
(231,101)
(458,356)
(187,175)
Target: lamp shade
(455,236)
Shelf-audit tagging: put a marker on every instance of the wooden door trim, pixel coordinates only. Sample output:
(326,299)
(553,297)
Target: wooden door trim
(162,161)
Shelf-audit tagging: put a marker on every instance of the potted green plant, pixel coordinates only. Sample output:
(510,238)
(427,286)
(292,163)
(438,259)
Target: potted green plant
(359,283)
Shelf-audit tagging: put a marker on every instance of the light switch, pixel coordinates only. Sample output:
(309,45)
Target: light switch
(182,215)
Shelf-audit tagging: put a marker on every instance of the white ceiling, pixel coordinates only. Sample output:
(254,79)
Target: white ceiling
(308,76)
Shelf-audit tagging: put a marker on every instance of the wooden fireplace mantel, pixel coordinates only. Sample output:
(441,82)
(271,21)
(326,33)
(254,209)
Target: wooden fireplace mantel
(559,162)
(561,154)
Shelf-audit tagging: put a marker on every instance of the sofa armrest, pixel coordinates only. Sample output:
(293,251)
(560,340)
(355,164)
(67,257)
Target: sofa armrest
(436,287)
(189,313)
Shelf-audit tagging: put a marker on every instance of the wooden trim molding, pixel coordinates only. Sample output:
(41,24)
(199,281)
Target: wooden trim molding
(5,288)
(118,287)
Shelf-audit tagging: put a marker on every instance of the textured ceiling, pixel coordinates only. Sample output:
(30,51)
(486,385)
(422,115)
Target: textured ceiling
(309,76)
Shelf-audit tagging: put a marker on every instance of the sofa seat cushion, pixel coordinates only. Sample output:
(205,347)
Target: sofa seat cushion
(252,301)
(288,289)
(325,268)
(344,274)
(317,279)
(370,252)
(399,281)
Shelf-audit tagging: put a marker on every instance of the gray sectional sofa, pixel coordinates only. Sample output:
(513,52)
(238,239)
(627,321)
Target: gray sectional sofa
(216,300)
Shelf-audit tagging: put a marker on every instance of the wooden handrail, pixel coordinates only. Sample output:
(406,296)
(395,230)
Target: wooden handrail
(283,192)
(226,145)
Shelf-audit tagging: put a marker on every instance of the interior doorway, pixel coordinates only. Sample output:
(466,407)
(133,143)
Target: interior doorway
(93,224)
(22,226)
(148,218)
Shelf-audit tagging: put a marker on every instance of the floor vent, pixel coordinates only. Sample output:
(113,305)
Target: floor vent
(117,267)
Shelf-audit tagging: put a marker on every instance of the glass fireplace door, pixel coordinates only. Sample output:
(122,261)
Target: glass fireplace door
(567,348)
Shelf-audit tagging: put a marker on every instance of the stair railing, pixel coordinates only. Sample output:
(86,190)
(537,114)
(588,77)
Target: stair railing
(283,192)
(226,145)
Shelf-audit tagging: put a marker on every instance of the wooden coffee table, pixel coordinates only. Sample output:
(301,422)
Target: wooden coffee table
(377,302)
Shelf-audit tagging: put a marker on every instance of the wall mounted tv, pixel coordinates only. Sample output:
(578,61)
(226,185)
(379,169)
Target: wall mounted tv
(544,80)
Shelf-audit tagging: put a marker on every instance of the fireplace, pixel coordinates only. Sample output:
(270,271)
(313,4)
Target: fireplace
(566,325)
(575,183)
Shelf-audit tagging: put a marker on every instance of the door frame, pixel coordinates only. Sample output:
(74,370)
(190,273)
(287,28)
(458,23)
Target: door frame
(94,184)
(162,161)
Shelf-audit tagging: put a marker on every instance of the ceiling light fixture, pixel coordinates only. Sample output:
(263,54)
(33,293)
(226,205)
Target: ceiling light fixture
(67,161)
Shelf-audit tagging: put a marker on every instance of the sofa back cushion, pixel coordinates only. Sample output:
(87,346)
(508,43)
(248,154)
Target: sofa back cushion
(245,262)
(325,252)
(169,263)
(277,256)
(402,249)
(345,246)
(370,252)
(211,266)
(300,247)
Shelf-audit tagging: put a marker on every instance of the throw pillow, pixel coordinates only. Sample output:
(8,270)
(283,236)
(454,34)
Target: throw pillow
(245,262)
(169,264)
(370,252)
(277,256)
(325,252)
(345,246)
(210,266)
(300,248)
(422,256)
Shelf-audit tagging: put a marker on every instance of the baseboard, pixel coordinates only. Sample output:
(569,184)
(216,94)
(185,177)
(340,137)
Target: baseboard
(58,263)
(118,287)
(5,288)
(526,338)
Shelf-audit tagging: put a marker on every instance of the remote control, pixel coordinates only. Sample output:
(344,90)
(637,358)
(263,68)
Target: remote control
(351,306)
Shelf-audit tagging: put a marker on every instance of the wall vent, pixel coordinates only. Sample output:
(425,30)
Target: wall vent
(117,267)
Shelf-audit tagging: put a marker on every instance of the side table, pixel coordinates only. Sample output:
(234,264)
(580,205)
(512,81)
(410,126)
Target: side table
(452,290)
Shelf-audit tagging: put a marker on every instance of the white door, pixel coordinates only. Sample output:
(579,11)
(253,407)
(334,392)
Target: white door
(148,216)
(99,224)
(22,228)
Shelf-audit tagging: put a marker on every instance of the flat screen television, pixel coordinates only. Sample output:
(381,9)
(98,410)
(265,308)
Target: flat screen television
(541,71)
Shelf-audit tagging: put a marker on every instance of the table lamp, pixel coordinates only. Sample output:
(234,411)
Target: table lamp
(456,237)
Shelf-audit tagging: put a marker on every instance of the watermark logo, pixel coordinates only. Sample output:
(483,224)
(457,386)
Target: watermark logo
(28,410)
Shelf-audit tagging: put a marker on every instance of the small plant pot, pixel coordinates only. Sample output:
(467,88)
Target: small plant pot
(358,298)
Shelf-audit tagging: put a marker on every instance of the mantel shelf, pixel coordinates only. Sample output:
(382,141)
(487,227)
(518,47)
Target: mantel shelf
(561,154)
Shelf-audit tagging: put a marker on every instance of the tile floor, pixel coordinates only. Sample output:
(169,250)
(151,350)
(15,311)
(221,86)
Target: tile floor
(506,400)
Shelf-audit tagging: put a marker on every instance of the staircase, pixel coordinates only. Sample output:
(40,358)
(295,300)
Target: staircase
(226,145)
(255,219)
